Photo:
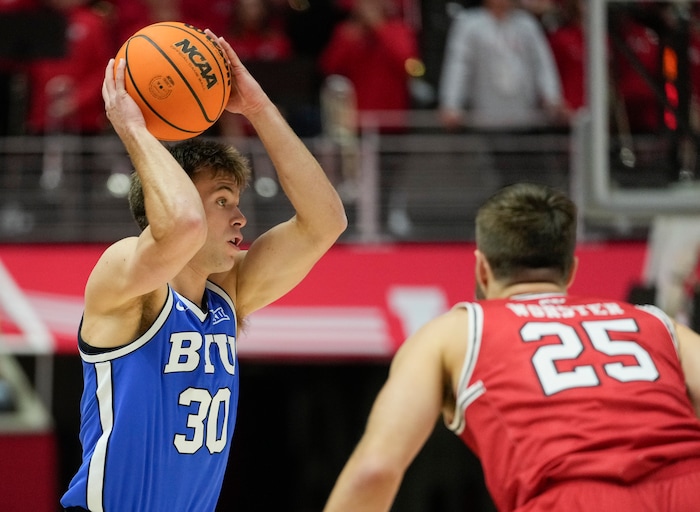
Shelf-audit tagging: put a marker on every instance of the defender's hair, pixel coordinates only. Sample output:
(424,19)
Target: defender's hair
(525,228)
(195,155)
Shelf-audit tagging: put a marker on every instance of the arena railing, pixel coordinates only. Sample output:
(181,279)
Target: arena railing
(419,183)
(401,176)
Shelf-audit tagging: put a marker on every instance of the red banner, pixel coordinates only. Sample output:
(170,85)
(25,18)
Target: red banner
(359,300)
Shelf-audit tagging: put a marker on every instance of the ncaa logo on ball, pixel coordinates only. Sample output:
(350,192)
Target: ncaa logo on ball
(199,61)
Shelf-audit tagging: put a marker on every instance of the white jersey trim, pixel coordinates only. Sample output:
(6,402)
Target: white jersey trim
(138,342)
(469,393)
(182,303)
(665,319)
(221,293)
(96,472)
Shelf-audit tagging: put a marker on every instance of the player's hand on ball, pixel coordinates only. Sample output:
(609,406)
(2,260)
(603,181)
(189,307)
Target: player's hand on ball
(247,97)
(122,111)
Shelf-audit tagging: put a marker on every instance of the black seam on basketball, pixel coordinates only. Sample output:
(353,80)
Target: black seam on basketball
(206,40)
(145,101)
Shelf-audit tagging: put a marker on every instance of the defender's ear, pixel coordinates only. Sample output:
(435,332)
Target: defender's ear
(482,271)
(572,272)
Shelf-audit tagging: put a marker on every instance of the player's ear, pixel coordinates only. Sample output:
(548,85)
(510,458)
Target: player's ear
(482,270)
(572,272)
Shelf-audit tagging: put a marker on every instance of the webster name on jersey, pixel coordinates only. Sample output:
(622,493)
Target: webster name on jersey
(554,308)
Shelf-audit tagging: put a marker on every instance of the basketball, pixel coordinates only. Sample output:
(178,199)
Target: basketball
(178,76)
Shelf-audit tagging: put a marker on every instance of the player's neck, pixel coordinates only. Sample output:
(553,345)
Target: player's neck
(189,285)
(527,289)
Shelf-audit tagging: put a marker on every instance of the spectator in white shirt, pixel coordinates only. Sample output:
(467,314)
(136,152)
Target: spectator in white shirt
(498,71)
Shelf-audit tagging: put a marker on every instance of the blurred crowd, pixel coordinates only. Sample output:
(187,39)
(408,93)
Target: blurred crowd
(506,63)
(61,76)
(497,65)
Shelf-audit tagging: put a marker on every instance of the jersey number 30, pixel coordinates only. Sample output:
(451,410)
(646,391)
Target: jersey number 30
(571,346)
(207,429)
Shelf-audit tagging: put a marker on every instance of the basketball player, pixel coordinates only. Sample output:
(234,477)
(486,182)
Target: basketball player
(571,403)
(163,310)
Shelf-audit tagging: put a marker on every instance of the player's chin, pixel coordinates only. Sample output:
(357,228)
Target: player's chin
(225,265)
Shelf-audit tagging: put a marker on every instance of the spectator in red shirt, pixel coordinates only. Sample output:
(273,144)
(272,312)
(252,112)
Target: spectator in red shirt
(258,33)
(375,50)
(66,93)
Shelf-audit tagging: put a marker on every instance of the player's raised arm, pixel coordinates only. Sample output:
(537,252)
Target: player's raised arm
(177,224)
(279,259)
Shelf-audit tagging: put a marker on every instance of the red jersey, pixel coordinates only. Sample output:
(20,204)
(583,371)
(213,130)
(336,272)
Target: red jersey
(557,388)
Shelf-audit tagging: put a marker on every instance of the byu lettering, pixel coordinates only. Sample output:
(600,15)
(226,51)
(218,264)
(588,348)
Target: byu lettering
(186,347)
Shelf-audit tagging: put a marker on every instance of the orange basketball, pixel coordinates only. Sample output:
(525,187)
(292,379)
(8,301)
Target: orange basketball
(178,76)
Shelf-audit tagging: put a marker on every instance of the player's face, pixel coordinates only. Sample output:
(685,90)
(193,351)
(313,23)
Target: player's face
(221,199)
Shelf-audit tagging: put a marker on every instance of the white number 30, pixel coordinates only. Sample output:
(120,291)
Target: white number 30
(571,346)
(204,422)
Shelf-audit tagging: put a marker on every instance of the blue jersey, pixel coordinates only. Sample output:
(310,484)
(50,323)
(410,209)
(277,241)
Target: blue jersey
(157,415)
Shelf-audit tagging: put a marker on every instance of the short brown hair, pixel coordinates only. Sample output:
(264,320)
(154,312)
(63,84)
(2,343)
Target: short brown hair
(194,155)
(524,227)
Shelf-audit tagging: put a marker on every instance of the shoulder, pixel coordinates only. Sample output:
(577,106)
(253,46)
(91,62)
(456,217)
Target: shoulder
(438,343)
(444,326)
(115,256)
(123,244)
(113,261)
(106,282)
(452,324)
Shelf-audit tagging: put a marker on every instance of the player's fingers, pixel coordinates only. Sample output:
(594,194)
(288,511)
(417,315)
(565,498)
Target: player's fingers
(119,78)
(211,34)
(105,93)
(109,70)
(108,83)
(228,50)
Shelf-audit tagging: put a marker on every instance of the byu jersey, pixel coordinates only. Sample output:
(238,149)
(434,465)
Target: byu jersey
(557,388)
(157,415)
